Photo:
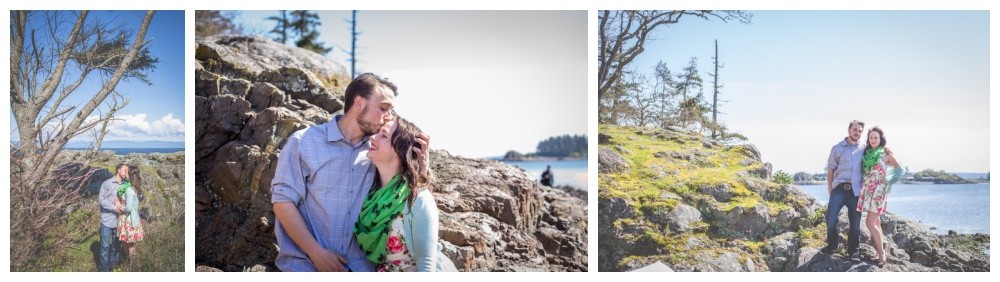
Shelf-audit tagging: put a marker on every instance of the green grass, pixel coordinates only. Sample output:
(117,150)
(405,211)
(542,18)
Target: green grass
(161,251)
(649,178)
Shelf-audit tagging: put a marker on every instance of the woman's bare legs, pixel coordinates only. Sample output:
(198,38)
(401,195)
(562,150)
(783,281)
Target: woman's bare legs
(874,223)
(131,249)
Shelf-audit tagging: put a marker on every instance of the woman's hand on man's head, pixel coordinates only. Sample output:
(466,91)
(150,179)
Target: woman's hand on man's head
(425,142)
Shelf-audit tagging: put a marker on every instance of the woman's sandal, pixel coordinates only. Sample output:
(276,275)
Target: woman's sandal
(881,261)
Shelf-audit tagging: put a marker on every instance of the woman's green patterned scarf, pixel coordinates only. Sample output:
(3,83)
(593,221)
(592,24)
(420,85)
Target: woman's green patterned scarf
(123,188)
(871,158)
(381,206)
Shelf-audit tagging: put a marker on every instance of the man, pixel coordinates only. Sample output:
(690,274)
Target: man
(322,178)
(109,219)
(547,176)
(844,185)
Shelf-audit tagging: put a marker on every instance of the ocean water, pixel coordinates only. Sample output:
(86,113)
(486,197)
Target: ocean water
(126,151)
(572,173)
(964,208)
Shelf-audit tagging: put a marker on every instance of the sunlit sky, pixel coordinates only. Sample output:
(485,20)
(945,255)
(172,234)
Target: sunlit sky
(795,79)
(155,112)
(479,82)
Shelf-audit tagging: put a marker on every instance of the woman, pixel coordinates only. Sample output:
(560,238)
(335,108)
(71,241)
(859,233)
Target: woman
(129,225)
(398,225)
(875,187)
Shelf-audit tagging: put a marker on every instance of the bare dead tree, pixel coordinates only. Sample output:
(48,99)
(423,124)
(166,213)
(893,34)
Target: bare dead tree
(354,41)
(49,63)
(118,101)
(40,214)
(622,36)
(715,92)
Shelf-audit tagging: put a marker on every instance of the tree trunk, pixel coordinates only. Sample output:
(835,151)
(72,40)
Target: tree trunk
(27,108)
(715,93)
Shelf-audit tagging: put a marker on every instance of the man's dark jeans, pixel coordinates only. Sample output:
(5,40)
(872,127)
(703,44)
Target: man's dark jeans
(109,252)
(840,198)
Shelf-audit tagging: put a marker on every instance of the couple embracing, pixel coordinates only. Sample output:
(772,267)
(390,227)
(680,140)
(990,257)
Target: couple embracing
(859,177)
(354,194)
(120,222)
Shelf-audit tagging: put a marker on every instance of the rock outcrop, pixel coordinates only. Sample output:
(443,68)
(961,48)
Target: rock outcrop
(162,177)
(697,205)
(252,93)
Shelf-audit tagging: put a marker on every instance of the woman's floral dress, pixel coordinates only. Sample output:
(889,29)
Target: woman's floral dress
(397,257)
(874,190)
(128,232)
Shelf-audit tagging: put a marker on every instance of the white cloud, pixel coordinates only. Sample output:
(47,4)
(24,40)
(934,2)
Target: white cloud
(137,128)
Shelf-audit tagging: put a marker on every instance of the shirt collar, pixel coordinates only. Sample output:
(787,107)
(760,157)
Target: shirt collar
(333,133)
(844,143)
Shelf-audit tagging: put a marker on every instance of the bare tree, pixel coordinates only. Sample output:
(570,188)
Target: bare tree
(118,101)
(715,91)
(49,63)
(354,41)
(622,36)
(643,101)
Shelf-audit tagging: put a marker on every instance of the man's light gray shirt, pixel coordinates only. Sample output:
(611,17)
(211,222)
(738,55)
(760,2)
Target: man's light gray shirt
(845,161)
(327,178)
(106,198)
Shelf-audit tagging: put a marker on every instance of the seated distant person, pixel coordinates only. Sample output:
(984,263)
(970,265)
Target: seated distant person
(547,176)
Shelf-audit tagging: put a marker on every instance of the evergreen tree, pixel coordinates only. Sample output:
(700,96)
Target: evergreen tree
(303,25)
(281,26)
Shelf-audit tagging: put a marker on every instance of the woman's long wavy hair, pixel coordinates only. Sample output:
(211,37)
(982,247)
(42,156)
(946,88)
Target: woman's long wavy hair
(881,138)
(135,177)
(416,173)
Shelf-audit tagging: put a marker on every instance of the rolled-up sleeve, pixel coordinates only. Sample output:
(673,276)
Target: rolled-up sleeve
(832,161)
(425,232)
(288,184)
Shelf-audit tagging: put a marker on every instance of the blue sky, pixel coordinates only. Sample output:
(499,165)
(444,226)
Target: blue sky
(479,82)
(794,79)
(155,112)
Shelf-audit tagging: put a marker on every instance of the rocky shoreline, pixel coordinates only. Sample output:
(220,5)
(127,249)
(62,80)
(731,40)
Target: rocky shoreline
(697,205)
(252,93)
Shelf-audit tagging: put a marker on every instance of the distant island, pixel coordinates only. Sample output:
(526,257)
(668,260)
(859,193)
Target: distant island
(941,177)
(557,147)
(927,176)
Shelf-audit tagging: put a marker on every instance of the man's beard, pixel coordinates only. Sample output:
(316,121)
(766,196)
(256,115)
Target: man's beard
(368,128)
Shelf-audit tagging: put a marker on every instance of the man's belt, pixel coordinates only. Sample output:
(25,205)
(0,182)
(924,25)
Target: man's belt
(845,186)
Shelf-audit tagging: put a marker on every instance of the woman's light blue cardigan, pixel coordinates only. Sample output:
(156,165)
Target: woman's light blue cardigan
(420,228)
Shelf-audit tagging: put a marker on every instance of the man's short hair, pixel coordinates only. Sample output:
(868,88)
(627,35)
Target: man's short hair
(858,122)
(364,85)
(119,167)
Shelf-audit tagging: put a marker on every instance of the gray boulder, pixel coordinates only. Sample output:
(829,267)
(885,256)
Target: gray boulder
(611,162)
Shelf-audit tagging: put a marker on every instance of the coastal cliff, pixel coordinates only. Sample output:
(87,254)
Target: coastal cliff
(695,204)
(252,93)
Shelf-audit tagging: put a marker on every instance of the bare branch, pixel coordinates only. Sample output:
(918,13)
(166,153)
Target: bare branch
(50,84)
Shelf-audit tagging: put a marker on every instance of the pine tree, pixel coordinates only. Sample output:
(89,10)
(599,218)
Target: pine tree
(281,26)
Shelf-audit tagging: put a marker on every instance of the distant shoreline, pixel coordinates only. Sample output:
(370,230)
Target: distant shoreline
(538,159)
(126,151)
(799,183)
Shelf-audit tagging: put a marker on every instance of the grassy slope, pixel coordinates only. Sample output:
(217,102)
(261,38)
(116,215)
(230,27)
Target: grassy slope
(161,250)
(652,187)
